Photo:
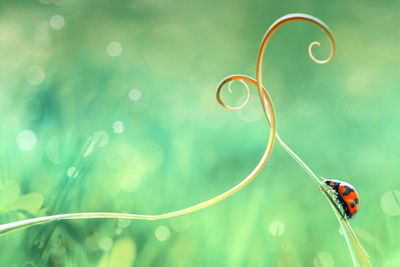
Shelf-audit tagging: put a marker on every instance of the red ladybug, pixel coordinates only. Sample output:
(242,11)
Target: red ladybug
(346,195)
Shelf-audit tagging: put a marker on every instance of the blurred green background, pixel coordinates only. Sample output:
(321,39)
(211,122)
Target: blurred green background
(110,106)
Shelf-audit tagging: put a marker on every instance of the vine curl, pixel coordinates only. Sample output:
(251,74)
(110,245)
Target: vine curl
(277,24)
(265,99)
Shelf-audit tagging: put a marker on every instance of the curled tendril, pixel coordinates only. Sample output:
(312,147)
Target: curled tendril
(312,56)
(230,90)
(269,112)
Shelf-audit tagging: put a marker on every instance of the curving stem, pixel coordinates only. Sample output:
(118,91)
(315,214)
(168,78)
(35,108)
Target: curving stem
(269,112)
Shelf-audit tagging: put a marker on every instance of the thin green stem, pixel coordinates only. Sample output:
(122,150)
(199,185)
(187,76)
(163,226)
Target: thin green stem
(335,208)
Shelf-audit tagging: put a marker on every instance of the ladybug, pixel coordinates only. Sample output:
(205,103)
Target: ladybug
(346,195)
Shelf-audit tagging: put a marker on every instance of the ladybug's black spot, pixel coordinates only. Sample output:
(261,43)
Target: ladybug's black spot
(353,205)
(347,190)
(356,201)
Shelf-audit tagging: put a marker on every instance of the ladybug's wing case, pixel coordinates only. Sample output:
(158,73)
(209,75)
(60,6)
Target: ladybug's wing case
(350,197)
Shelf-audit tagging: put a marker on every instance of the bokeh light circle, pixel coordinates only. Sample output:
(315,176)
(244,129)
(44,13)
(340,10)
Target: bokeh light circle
(162,233)
(390,202)
(72,172)
(135,94)
(114,49)
(276,228)
(118,127)
(57,22)
(35,75)
(26,140)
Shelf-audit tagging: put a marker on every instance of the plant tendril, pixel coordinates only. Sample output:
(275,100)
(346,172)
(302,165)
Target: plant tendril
(230,91)
(269,112)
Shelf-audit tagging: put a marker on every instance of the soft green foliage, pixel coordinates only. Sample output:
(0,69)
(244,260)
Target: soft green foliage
(178,147)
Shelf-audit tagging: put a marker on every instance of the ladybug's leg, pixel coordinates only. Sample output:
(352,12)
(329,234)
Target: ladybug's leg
(342,213)
(328,189)
(323,189)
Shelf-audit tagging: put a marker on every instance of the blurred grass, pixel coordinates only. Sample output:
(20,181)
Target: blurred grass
(179,147)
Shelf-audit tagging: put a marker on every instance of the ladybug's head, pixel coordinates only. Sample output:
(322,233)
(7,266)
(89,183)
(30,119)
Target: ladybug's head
(332,183)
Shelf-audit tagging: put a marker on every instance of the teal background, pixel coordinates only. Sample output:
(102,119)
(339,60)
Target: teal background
(179,147)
